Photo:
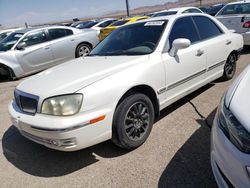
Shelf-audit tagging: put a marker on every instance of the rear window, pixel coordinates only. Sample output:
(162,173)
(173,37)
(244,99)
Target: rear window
(119,23)
(167,13)
(235,9)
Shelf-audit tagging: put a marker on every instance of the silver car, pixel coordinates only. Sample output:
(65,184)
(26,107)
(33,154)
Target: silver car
(31,50)
(236,16)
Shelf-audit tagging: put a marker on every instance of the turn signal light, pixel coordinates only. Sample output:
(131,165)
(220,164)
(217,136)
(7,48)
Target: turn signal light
(92,121)
(246,25)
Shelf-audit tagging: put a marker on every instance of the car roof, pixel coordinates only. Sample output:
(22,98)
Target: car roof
(26,30)
(239,2)
(181,9)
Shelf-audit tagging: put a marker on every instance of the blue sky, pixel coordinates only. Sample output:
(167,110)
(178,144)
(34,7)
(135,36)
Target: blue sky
(16,12)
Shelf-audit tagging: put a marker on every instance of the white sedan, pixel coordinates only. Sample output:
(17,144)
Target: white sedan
(27,51)
(117,91)
(230,141)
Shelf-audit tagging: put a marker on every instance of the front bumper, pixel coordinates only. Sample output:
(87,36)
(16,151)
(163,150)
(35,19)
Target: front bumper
(63,133)
(228,163)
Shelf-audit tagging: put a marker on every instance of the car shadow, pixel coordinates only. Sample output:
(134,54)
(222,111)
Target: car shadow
(190,166)
(38,160)
(246,50)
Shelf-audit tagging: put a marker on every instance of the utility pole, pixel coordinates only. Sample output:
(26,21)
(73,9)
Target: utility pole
(127,7)
(200,3)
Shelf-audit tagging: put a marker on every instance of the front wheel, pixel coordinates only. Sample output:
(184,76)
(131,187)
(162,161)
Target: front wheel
(230,67)
(133,121)
(82,50)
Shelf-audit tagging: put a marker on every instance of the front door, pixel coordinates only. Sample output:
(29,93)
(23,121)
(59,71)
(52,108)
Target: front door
(37,54)
(187,69)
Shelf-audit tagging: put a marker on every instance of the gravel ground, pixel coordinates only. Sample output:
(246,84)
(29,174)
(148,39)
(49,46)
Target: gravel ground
(175,155)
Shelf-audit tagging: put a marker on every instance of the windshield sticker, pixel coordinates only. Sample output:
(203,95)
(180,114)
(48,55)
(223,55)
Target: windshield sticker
(154,23)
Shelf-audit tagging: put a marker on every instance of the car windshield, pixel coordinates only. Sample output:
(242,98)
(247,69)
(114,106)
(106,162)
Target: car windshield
(119,23)
(79,23)
(167,13)
(9,41)
(135,39)
(89,25)
(3,35)
(243,8)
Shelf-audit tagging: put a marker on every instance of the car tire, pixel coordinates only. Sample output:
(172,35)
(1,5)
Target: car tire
(133,121)
(82,50)
(230,67)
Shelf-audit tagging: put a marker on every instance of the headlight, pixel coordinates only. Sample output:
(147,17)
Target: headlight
(65,105)
(233,129)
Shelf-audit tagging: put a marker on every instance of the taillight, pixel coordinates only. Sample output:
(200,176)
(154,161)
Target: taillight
(246,25)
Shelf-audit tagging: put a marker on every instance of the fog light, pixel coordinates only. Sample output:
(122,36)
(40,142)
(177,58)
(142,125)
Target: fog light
(54,142)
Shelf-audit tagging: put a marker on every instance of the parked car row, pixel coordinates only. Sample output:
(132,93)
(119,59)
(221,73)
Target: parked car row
(31,50)
(141,66)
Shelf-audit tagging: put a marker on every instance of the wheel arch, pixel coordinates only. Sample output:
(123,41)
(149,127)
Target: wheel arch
(146,90)
(85,42)
(8,70)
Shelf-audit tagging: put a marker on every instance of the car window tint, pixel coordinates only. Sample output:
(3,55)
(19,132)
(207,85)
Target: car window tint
(184,28)
(56,33)
(105,24)
(68,32)
(194,11)
(206,27)
(35,38)
(119,23)
(243,8)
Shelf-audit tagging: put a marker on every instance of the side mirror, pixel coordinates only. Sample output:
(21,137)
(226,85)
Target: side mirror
(21,46)
(179,44)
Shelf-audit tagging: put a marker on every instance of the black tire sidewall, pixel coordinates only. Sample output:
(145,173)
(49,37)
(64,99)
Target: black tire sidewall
(78,48)
(119,136)
(225,75)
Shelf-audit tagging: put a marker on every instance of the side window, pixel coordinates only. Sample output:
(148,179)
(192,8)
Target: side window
(35,38)
(184,28)
(68,32)
(56,33)
(206,27)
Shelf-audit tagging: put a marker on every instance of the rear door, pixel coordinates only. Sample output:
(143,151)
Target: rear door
(187,69)
(63,44)
(37,54)
(216,43)
(234,16)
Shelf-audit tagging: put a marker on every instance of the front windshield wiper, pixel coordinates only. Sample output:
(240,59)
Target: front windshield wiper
(119,53)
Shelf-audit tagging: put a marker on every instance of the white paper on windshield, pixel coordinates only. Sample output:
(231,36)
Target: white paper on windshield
(154,23)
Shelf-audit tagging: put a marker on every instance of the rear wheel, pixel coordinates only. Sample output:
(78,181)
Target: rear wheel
(133,120)
(230,67)
(83,50)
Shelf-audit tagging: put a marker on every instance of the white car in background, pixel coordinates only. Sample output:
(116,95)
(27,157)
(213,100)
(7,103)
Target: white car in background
(230,140)
(30,50)
(116,92)
(180,10)
(236,16)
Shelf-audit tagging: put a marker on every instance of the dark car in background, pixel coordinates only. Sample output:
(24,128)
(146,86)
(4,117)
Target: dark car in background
(213,10)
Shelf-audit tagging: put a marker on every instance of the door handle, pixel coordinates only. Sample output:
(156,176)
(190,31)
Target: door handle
(199,53)
(228,42)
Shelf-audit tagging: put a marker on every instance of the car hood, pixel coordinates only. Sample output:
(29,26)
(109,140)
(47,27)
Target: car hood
(76,74)
(240,102)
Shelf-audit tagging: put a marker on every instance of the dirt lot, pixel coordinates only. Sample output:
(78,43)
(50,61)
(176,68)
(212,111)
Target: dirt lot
(175,155)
